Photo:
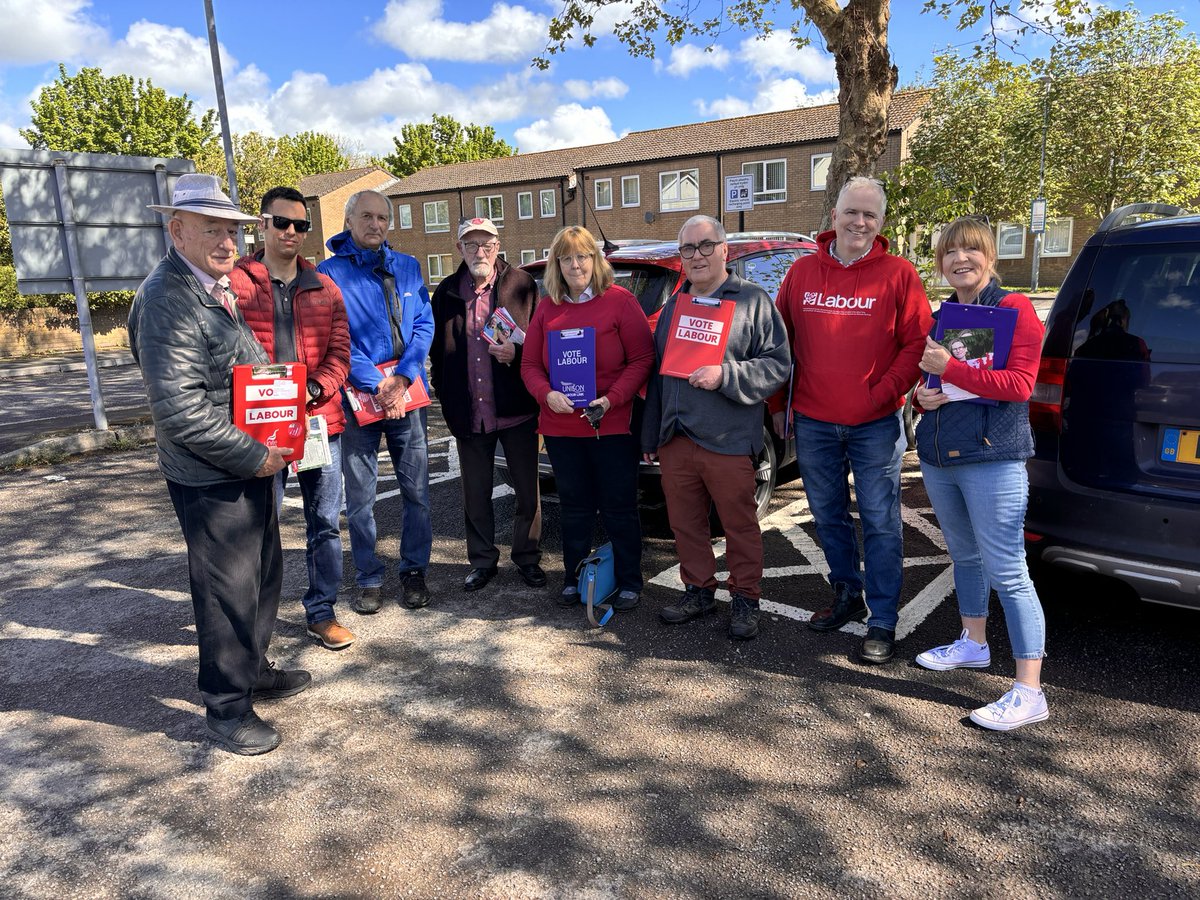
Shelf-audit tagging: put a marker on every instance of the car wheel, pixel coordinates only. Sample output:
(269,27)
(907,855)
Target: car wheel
(910,419)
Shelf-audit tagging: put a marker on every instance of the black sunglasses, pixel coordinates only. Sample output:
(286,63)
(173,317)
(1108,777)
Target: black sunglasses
(282,223)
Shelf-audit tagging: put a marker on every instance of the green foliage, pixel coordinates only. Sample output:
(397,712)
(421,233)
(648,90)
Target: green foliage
(442,141)
(259,164)
(315,153)
(1120,101)
(91,113)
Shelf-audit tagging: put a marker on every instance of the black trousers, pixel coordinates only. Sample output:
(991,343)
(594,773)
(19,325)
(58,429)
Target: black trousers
(477,457)
(235,565)
(599,476)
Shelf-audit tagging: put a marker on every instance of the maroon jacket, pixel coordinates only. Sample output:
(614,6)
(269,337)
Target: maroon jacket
(322,335)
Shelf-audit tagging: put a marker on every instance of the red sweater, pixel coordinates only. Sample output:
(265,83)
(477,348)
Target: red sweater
(857,333)
(624,357)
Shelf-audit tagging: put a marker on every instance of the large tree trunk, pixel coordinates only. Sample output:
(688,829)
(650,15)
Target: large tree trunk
(857,38)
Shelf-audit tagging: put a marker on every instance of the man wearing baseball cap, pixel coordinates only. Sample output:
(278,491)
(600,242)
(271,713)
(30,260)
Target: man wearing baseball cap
(484,400)
(186,334)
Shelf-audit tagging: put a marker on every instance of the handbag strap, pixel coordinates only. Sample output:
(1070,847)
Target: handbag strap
(605,608)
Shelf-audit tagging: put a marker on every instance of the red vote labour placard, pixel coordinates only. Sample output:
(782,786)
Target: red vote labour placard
(698,335)
(268,404)
(366,407)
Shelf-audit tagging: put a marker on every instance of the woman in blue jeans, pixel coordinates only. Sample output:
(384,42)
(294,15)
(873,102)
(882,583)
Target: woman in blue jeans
(973,464)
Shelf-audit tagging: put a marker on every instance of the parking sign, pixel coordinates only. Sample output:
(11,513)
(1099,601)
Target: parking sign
(739,193)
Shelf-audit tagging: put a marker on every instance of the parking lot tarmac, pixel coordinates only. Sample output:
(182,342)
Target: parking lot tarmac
(494,745)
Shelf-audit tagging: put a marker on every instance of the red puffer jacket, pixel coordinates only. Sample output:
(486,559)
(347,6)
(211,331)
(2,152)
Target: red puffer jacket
(322,335)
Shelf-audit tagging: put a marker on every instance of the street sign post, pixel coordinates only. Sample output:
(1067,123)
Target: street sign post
(1037,216)
(739,193)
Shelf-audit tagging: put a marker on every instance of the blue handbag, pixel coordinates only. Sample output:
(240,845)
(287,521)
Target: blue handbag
(597,582)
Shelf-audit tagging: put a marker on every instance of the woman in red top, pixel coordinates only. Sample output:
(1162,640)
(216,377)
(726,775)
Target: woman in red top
(595,467)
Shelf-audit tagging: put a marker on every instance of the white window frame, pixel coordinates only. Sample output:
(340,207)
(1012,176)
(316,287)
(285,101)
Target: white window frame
(503,254)
(678,204)
(486,204)
(433,224)
(528,256)
(813,162)
(434,261)
(403,213)
(636,181)
(759,171)
(543,196)
(1001,228)
(546,253)
(596,193)
(527,196)
(1059,220)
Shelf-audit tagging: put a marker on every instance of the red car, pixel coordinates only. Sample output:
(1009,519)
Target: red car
(651,271)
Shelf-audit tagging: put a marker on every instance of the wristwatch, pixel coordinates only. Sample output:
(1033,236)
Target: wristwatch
(314,389)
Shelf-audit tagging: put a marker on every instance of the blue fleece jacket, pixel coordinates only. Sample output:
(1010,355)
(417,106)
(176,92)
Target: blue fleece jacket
(353,270)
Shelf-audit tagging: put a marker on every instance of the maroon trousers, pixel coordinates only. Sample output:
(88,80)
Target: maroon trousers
(692,479)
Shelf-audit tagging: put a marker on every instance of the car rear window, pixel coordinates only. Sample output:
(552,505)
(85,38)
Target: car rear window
(1145,304)
(652,287)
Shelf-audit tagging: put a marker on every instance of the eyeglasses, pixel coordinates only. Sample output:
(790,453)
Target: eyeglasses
(578,259)
(706,248)
(979,217)
(470,247)
(282,223)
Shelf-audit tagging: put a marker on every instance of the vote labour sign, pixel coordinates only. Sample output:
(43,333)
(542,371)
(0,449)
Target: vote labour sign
(698,334)
(268,404)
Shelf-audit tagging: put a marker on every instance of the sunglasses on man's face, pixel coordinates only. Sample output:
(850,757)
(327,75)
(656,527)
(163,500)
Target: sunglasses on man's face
(282,223)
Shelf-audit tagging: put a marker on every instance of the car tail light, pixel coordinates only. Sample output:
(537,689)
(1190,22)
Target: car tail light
(1045,405)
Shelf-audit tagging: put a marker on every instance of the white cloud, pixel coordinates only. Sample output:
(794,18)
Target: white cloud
(508,34)
(609,88)
(10,137)
(774,95)
(41,31)
(170,57)
(570,125)
(687,58)
(776,54)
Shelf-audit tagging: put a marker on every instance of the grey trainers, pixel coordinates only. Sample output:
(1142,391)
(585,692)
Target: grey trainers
(695,602)
(626,600)
(416,594)
(367,602)
(743,618)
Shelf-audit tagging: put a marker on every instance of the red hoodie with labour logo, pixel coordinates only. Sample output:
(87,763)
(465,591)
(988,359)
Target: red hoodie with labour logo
(857,333)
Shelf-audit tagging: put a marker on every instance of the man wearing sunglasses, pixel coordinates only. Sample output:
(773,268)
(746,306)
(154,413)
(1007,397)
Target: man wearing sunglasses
(706,429)
(297,314)
(484,400)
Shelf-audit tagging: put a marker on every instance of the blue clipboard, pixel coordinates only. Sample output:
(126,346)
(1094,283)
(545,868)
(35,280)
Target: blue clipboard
(1000,320)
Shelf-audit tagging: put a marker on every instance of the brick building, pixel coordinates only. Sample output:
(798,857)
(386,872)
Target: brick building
(326,195)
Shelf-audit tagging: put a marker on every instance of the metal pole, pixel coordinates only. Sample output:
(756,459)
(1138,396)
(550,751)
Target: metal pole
(1037,238)
(67,211)
(223,113)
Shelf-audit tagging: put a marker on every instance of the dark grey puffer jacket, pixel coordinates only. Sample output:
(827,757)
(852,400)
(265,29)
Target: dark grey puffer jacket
(186,345)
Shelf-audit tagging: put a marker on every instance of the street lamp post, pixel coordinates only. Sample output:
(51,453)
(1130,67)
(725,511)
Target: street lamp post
(1038,223)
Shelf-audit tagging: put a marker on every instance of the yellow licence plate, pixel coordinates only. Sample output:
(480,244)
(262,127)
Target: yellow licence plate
(1180,445)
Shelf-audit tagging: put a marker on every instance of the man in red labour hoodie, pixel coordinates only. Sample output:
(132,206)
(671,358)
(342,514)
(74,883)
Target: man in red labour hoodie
(298,315)
(856,319)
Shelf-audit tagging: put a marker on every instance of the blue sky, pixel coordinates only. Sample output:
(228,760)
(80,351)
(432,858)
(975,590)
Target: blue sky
(361,70)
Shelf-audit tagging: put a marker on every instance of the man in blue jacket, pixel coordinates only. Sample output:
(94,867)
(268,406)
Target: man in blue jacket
(387,307)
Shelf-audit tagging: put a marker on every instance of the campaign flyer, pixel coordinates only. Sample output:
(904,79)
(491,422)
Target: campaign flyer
(572,364)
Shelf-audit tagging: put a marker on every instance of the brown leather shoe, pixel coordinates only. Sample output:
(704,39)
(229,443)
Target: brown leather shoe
(331,635)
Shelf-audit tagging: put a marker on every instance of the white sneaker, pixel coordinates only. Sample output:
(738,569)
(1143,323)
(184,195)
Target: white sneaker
(1020,706)
(962,654)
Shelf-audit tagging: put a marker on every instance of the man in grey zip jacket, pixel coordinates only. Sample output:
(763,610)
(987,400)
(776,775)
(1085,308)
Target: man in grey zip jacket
(705,430)
(186,335)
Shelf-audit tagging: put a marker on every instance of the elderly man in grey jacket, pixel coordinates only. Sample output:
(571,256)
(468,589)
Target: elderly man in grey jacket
(186,334)
(706,428)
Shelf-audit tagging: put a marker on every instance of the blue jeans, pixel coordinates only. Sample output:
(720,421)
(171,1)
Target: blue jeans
(826,454)
(407,446)
(322,493)
(981,510)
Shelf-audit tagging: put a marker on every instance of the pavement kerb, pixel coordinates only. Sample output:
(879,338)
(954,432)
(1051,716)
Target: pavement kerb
(56,365)
(74,444)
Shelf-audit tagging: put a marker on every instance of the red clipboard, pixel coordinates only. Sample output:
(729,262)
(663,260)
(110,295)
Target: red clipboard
(367,409)
(268,404)
(698,333)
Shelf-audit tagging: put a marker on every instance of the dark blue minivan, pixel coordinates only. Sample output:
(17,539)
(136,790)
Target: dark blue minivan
(1115,478)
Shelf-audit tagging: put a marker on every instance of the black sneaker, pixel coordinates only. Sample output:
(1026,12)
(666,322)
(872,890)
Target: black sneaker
(848,606)
(367,602)
(696,602)
(275,683)
(625,601)
(416,594)
(247,735)
(569,596)
(743,618)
